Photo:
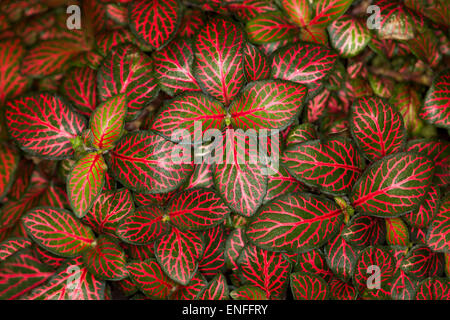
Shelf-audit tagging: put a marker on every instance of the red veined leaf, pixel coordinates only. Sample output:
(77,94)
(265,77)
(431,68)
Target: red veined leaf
(239,179)
(425,46)
(234,245)
(268,271)
(349,36)
(376,294)
(381,86)
(106,260)
(306,286)
(301,133)
(218,65)
(362,231)
(312,262)
(150,279)
(54,196)
(332,165)
(143,226)
(316,106)
(174,67)
(326,11)
(256,64)
(194,112)
(420,262)
(11,246)
(437,11)
(48,258)
(436,107)
(217,289)
(439,152)
(314,35)
(50,57)
(388,48)
(305,63)
(392,186)
(270,47)
(13,210)
(438,234)
(341,258)
(213,259)
(108,40)
(89,59)
(418,235)
(295,223)
(376,127)
(281,183)
(71,282)
(127,286)
(155,22)
(12,82)
(357,87)
(22,178)
(299,11)
(270,27)
(433,289)
(127,70)
(57,231)
(9,159)
(141,252)
(340,290)
(107,122)
(117,13)
(142,162)
(192,22)
(377,257)
(178,252)
(86,182)
(191,290)
(397,233)
(397,21)
(267,104)
(43,125)
(248,293)
(160,199)
(407,101)
(108,210)
(249,9)
(96,14)
(201,177)
(427,210)
(403,286)
(21,273)
(196,209)
(16,10)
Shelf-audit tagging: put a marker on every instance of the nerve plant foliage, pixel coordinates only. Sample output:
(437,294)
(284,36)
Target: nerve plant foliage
(356,204)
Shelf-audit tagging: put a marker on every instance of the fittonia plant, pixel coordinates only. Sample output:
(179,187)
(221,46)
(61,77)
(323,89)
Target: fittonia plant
(351,111)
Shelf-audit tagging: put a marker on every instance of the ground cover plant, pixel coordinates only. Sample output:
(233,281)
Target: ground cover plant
(112,112)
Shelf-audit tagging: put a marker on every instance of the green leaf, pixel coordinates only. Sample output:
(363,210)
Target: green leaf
(295,223)
(57,231)
(267,104)
(86,182)
(306,286)
(393,186)
(107,122)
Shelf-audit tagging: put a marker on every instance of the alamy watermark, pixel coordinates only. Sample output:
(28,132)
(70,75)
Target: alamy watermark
(374,281)
(73,22)
(374,21)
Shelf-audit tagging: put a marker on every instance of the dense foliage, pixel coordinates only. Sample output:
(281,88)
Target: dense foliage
(93,205)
